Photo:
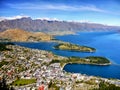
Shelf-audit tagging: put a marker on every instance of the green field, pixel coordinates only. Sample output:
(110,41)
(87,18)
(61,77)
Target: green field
(21,82)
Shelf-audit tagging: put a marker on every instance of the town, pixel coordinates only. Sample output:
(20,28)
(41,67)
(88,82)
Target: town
(26,69)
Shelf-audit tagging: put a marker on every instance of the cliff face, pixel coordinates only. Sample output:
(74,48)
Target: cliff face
(53,27)
(22,35)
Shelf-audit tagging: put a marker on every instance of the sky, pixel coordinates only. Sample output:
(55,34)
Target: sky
(95,11)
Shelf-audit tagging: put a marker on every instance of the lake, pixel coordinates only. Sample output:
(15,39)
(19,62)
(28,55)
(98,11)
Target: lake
(107,45)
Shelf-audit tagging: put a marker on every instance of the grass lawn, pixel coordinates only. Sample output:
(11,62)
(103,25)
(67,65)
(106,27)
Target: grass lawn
(21,82)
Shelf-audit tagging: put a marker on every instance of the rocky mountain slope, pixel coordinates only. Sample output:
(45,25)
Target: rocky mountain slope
(53,26)
(22,35)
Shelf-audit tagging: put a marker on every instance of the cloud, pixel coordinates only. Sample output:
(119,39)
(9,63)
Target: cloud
(13,17)
(50,19)
(25,16)
(30,6)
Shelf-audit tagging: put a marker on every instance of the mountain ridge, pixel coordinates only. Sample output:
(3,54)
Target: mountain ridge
(53,26)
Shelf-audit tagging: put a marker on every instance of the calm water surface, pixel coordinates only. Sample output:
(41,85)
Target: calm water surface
(106,43)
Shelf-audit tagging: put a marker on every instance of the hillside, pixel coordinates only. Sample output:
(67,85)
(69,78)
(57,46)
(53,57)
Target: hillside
(53,26)
(22,35)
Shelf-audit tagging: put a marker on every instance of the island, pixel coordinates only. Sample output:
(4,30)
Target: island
(74,47)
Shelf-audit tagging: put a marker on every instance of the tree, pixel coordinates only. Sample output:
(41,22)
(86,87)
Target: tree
(4,86)
(106,86)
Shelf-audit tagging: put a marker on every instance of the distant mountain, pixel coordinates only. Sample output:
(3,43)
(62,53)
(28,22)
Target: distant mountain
(53,26)
(23,36)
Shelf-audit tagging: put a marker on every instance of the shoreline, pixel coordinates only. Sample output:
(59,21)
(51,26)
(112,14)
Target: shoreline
(58,41)
(62,67)
(43,67)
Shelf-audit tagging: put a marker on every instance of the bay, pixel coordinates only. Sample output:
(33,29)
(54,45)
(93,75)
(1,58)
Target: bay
(106,43)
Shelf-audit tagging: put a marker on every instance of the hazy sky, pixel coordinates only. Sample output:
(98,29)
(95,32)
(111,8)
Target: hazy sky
(98,11)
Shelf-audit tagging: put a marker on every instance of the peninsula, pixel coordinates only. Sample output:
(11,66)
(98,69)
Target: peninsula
(74,47)
(94,60)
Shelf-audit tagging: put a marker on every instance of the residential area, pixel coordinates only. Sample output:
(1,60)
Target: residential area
(27,69)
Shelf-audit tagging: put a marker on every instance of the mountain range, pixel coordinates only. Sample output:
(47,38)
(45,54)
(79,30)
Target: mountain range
(53,27)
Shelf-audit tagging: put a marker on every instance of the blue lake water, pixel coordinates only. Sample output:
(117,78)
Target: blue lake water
(106,43)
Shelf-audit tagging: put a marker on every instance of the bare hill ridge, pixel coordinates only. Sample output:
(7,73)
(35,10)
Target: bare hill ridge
(22,35)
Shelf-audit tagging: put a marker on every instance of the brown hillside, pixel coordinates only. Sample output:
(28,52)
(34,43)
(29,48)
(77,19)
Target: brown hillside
(21,35)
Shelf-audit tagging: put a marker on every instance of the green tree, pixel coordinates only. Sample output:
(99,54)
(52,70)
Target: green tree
(4,86)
